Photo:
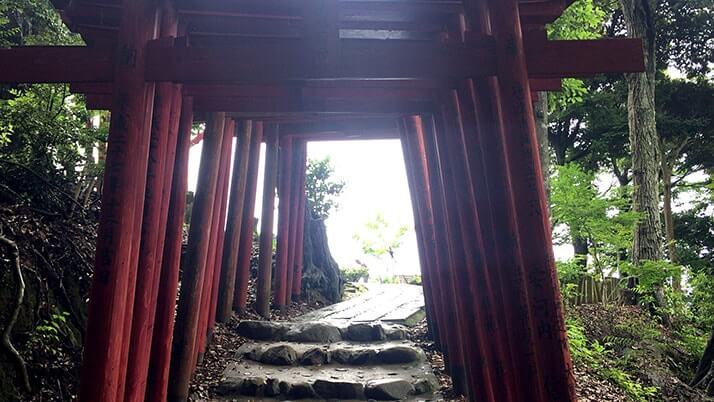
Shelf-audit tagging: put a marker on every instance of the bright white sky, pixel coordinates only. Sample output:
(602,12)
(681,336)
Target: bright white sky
(375,182)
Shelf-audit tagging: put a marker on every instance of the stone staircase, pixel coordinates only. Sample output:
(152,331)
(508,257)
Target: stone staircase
(321,360)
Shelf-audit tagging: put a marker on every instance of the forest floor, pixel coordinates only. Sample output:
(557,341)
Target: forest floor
(620,353)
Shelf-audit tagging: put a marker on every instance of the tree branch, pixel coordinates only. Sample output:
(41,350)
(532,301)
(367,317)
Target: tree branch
(20,295)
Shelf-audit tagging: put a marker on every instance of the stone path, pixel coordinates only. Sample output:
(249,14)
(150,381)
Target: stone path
(332,355)
(391,303)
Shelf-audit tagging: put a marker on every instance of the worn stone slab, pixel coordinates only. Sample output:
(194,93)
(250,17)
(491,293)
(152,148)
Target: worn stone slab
(233,378)
(393,303)
(280,353)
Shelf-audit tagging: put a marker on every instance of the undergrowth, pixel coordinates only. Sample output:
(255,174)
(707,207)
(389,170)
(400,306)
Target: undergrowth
(600,359)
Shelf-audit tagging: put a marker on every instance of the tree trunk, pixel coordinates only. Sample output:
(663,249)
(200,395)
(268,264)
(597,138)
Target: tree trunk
(644,142)
(540,109)
(669,223)
(321,276)
(581,250)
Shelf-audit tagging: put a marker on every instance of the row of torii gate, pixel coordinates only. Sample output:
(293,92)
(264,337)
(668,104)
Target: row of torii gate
(454,80)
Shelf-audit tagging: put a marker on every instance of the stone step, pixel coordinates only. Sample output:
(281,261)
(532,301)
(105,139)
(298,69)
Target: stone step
(347,353)
(248,378)
(319,332)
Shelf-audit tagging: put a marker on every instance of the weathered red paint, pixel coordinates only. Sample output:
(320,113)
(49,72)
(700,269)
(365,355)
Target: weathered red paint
(297,165)
(143,304)
(221,233)
(416,164)
(235,220)
(445,249)
(187,317)
(300,227)
(265,258)
(240,298)
(114,267)
(158,375)
(161,158)
(280,282)
(214,249)
(545,315)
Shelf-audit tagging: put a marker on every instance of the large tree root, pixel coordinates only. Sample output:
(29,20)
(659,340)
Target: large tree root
(6,341)
(704,377)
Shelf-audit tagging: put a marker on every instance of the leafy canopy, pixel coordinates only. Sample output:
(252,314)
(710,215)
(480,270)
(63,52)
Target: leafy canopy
(322,188)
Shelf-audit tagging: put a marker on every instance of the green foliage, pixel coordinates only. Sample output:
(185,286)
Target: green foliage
(32,22)
(380,237)
(51,335)
(355,274)
(581,20)
(601,360)
(321,187)
(702,300)
(603,220)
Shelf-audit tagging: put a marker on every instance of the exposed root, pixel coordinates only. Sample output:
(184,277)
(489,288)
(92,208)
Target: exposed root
(6,341)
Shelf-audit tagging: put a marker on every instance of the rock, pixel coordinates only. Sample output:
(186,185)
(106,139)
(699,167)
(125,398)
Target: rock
(272,387)
(279,355)
(365,332)
(341,356)
(338,389)
(397,355)
(388,389)
(300,390)
(229,386)
(261,330)
(424,386)
(285,387)
(252,386)
(354,357)
(395,333)
(314,332)
(315,357)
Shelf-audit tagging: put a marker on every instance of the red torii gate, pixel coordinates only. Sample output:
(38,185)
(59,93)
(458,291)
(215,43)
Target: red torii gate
(452,79)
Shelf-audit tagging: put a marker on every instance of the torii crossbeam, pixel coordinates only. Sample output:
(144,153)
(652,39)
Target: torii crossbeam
(452,79)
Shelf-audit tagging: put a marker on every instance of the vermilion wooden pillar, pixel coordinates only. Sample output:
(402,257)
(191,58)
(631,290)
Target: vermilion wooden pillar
(187,317)
(265,258)
(480,281)
(283,243)
(168,283)
(127,153)
(417,174)
(446,216)
(217,273)
(553,369)
(235,221)
(140,182)
(214,246)
(163,139)
(479,100)
(296,194)
(423,131)
(300,225)
(240,298)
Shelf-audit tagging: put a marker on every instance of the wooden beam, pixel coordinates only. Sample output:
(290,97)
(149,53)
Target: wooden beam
(56,64)
(357,60)
(583,58)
